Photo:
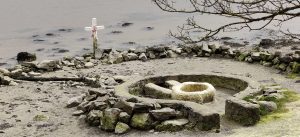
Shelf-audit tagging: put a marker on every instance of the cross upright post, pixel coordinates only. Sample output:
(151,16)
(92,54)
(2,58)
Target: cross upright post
(94,29)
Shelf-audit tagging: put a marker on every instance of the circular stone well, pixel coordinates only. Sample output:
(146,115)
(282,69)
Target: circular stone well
(194,91)
(157,91)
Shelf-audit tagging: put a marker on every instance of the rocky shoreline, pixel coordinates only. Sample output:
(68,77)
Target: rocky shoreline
(289,63)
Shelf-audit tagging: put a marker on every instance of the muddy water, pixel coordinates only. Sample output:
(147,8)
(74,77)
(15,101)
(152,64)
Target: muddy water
(20,20)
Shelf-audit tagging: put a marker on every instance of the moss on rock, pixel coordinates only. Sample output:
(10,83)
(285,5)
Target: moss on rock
(142,121)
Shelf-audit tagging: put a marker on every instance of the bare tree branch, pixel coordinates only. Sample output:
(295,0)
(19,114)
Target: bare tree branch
(246,12)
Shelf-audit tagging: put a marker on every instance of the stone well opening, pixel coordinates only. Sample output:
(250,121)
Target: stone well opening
(194,87)
(194,91)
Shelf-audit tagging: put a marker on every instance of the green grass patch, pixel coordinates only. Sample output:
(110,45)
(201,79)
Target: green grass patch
(293,76)
(282,111)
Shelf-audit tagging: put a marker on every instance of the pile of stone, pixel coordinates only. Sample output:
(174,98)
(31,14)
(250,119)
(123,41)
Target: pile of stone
(288,62)
(85,61)
(103,109)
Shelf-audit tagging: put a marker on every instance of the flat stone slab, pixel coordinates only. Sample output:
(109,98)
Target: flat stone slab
(156,91)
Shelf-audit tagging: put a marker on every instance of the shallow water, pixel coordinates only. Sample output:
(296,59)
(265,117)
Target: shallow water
(22,19)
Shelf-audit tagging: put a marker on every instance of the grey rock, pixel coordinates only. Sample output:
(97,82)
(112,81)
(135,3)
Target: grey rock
(282,66)
(75,101)
(142,121)
(151,55)
(49,65)
(172,125)
(124,117)
(89,65)
(125,106)
(267,64)
(130,56)
(93,117)
(214,47)
(98,92)
(171,54)
(266,43)
(171,83)
(122,128)
(143,57)
(255,56)
(156,91)
(25,56)
(267,106)
(225,47)
(34,74)
(115,57)
(142,107)
(110,119)
(164,113)
(104,98)
(4,71)
(120,79)
(286,59)
(90,97)
(242,111)
(78,113)
(249,60)
(163,55)
(110,82)
(205,49)
(97,105)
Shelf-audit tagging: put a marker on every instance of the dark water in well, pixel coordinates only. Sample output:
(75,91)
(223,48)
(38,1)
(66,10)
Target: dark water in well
(22,19)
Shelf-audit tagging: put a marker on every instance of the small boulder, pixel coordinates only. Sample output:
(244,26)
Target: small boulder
(122,128)
(75,101)
(124,117)
(142,121)
(89,65)
(115,57)
(205,49)
(172,125)
(164,113)
(142,107)
(110,119)
(4,71)
(97,92)
(78,113)
(130,56)
(48,65)
(255,56)
(34,74)
(25,56)
(266,43)
(267,106)
(143,57)
(93,117)
(171,54)
(110,82)
(125,106)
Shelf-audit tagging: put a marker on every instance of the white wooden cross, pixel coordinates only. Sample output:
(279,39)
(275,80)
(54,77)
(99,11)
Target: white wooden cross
(94,29)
